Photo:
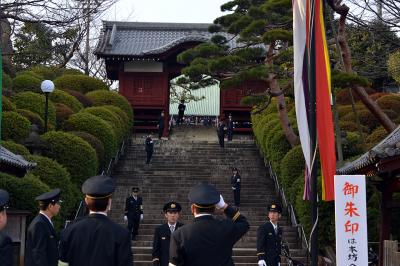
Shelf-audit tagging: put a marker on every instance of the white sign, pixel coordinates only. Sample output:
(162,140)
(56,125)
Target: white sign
(351,220)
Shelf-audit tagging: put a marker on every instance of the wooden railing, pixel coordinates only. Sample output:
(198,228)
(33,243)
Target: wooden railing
(391,253)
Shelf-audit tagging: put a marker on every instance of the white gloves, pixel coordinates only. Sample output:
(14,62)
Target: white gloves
(233,188)
(221,204)
(141,217)
(125,218)
(262,263)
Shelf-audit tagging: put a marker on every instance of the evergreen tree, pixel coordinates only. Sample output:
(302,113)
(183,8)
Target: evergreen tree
(262,30)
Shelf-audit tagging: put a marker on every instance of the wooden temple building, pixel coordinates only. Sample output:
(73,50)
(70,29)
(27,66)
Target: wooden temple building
(382,165)
(142,57)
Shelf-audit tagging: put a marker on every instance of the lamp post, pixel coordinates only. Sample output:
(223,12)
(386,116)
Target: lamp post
(47,87)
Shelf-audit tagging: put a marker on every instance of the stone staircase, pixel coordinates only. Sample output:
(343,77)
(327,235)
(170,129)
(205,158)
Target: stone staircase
(182,162)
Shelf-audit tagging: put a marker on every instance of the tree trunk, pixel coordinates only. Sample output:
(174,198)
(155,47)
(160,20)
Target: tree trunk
(372,106)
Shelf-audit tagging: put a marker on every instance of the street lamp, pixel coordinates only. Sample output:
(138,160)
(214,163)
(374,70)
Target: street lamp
(47,87)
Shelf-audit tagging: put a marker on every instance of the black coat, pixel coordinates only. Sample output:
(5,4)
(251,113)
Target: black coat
(208,241)
(95,240)
(6,253)
(236,181)
(41,243)
(161,122)
(221,130)
(230,125)
(133,208)
(269,244)
(181,108)
(149,144)
(162,236)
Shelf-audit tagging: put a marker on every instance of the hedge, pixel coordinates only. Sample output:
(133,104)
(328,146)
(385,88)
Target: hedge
(23,191)
(59,96)
(123,116)
(375,137)
(389,102)
(352,126)
(81,83)
(30,73)
(277,148)
(352,145)
(71,71)
(111,98)
(36,103)
(8,105)
(63,113)
(366,118)
(15,147)
(55,175)
(82,98)
(26,83)
(14,126)
(291,167)
(7,81)
(94,142)
(46,72)
(108,116)
(73,153)
(34,118)
(343,95)
(97,127)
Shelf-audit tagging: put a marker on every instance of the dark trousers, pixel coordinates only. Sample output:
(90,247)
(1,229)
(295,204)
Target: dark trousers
(230,134)
(133,225)
(149,155)
(236,196)
(160,132)
(221,141)
(180,118)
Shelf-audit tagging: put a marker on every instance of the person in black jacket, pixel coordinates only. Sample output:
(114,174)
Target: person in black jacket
(181,112)
(230,126)
(41,237)
(269,238)
(161,125)
(207,241)
(162,233)
(235,182)
(221,133)
(6,254)
(95,240)
(149,147)
(134,212)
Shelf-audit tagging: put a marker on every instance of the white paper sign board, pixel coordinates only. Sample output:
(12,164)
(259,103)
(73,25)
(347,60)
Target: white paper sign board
(351,220)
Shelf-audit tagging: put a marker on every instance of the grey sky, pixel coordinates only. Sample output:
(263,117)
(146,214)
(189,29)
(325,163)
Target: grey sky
(191,11)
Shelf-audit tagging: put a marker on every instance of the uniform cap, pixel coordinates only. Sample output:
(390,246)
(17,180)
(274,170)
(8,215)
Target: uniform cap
(4,197)
(275,208)
(204,196)
(234,169)
(50,197)
(135,189)
(172,207)
(98,187)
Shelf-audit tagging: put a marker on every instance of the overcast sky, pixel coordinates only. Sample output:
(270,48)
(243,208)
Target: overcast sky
(191,11)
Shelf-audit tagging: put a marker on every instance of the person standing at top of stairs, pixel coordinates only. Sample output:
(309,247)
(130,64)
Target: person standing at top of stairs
(221,133)
(236,185)
(181,112)
(161,124)
(207,241)
(149,147)
(134,212)
(162,233)
(230,126)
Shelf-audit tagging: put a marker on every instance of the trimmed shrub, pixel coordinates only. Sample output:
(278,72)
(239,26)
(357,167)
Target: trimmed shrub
(7,81)
(111,118)
(111,98)
(375,137)
(29,73)
(351,144)
(63,113)
(55,175)
(391,114)
(82,98)
(8,105)
(292,166)
(46,72)
(97,127)
(81,83)
(34,118)
(277,148)
(71,71)
(366,118)
(59,96)
(74,153)
(351,126)
(376,96)
(36,103)
(389,102)
(343,110)
(23,191)
(343,95)
(94,142)
(14,126)
(26,83)
(122,115)
(15,147)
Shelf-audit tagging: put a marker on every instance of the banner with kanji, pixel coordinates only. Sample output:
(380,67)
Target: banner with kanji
(351,220)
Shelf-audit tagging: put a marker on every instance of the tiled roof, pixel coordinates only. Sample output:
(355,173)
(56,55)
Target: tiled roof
(18,161)
(389,147)
(141,39)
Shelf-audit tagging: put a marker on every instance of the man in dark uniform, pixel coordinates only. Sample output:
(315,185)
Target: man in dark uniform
(181,112)
(149,147)
(161,125)
(230,127)
(6,254)
(41,238)
(162,234)
(235,182)
(269,238)
(221,133)
(207,241)
(95,240)
(134,212)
